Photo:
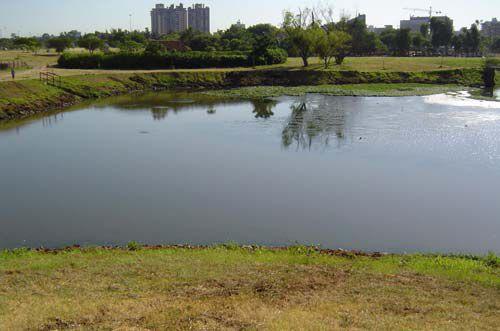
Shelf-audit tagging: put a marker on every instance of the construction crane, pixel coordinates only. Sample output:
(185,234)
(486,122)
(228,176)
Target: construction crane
(431,11)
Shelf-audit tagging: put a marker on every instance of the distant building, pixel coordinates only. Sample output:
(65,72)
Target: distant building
(199,18)
(360,17)
(240,25)
(165,20)
(491,29)
(376,30)
(415,22)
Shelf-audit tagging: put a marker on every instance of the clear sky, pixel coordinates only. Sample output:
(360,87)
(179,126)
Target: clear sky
(34,17)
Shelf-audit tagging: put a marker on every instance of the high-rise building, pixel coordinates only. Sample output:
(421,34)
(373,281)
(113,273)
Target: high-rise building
(491,29)
(415,22)
(165,20)
(199,18)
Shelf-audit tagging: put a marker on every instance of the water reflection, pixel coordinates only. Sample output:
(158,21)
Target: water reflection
(52,120)
(159,113)
(314,121)
(201,179)
(211,110)
(264,108)
(491,93)
(161,105)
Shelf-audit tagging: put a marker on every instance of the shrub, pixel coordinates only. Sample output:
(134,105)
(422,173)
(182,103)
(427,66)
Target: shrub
(134,246)
(166,60)
(276,56)
(80,60)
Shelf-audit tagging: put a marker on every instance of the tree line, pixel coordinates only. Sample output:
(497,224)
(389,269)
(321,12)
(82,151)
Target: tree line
(306,33)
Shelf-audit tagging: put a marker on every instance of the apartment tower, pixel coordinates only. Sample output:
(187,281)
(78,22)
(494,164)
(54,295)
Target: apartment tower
(165,20)
(199,18)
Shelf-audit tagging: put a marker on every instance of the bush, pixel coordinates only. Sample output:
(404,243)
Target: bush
(80,60)
(134,246)
(166,60)
(276,56)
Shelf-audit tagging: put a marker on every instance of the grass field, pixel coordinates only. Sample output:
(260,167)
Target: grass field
(233,288)
(43,60)
(414,64)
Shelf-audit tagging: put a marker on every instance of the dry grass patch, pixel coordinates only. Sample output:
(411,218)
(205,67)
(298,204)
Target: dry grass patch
(236,289)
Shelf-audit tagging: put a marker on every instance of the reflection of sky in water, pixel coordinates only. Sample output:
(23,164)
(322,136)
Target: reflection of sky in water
(394,174)
(462,99)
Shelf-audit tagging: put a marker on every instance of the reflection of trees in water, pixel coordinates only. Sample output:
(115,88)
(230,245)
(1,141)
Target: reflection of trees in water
(211,110)
(264,108)
(312,123)
(159,113)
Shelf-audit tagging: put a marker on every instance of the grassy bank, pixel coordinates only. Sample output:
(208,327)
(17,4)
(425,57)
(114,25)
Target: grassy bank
(228,287)
(27,97)
(367,64)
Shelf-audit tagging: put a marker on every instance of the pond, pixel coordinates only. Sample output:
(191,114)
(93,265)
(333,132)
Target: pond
(409,174)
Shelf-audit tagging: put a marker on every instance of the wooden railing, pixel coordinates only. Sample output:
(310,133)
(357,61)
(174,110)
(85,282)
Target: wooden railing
(50,78)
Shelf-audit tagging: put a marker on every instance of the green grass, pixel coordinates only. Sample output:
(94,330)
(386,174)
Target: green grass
(408,64)
(367,64)
(27,97)
(230,287)
(392,90)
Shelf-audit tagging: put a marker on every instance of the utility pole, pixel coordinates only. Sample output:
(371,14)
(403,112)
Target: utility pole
(130,16)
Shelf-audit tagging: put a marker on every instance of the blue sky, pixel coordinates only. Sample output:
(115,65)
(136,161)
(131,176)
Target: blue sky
(29,17)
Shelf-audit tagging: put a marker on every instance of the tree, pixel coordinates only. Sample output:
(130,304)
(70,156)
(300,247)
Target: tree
(203,42)
(325,47)
(468,41)
(263,37)
(73,35)
(424,30)
(130,46)
(5,43)
(388,37)
(495,46)
(418,41)
(236,38)
(60,44)
(342,42)
(357,29)
(31,44)
(475,39)
(155,48)
(403,41)
(91,43)
(457,42)
(302,33)
(442,32)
